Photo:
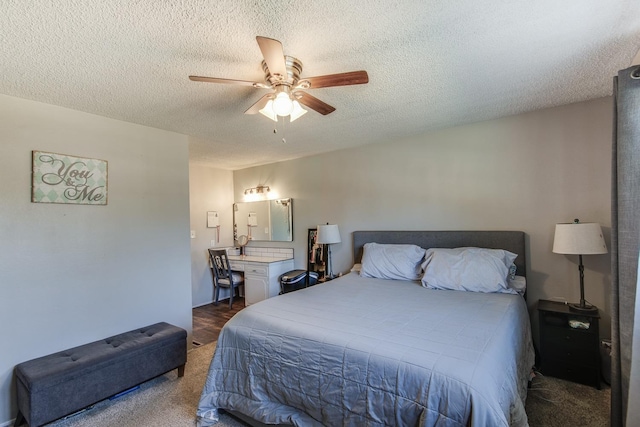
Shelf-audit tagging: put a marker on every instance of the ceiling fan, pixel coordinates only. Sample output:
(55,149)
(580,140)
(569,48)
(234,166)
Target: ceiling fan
(282,74)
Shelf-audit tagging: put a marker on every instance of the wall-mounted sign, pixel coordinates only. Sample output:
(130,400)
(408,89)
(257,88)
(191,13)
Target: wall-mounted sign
(58,178)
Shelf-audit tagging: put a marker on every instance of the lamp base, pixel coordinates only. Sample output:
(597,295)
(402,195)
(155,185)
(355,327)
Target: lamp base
(587,309)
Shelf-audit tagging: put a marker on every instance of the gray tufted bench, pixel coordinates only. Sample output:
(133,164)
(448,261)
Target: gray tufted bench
(59,384)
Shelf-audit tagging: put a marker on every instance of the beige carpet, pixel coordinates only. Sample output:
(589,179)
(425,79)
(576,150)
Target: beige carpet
(166,401)
(553,402)
(171,401)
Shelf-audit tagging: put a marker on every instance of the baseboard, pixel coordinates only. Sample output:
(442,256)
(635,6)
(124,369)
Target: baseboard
(195,306)
(211,302)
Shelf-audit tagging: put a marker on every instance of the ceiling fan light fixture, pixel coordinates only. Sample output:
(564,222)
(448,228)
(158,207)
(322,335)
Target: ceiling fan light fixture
(267,111)
(297,112)
(282,74)
(282,104)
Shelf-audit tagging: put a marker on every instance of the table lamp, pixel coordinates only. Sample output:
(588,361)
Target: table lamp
(579,238)
(328,235)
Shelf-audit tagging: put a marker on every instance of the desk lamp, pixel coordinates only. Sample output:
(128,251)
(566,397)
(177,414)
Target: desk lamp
(579,238)
(328,235)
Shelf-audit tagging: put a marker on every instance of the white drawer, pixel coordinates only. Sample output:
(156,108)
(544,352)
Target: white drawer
(236,266)
(256,269)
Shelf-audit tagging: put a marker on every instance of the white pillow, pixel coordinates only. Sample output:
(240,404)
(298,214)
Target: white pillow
(400,262)
(468,269)
(518,284)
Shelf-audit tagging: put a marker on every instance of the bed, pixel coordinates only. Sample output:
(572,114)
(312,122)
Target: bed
(366,351)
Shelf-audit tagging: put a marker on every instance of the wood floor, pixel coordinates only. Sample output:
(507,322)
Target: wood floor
(209,319)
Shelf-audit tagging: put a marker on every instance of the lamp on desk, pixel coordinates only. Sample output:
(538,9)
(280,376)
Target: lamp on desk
(328,235)
(579,238)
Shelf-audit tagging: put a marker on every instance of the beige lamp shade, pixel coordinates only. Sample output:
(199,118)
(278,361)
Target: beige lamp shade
(583,238)
(328,234)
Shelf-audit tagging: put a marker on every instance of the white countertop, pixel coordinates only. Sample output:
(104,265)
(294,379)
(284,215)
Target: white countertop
(251,258)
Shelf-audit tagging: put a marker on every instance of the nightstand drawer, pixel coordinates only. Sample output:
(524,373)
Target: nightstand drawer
(567,338)
(572,372)
(569,354)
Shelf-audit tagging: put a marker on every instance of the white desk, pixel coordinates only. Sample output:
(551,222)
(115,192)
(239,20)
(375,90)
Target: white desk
(261,275)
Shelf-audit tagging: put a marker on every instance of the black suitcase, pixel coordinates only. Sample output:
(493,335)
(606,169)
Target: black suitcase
(296,279)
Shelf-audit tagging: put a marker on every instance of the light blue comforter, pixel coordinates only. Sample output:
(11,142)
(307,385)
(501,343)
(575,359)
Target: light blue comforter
(370,352)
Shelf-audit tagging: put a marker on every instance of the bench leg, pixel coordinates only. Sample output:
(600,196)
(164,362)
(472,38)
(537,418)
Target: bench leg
(19,419)
(181,371)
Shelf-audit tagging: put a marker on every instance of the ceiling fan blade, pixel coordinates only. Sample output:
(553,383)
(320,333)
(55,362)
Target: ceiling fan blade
(341,79)
(228,81)
(314,103)
(262,102)
(273,55)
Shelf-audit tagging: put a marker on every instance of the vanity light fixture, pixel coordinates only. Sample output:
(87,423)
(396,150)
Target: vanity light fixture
(260,189)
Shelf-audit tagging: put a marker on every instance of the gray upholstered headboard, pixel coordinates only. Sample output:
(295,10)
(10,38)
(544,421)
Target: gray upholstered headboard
(512,241)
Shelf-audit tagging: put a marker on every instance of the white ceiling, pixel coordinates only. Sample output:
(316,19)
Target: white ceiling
(431,64)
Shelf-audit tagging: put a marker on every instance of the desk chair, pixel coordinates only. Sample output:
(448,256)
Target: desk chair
(222,274)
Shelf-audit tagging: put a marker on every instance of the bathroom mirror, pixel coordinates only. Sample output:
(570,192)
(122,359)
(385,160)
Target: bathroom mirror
(264,220)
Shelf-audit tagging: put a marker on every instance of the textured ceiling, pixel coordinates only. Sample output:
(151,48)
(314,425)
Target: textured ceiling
(431,64)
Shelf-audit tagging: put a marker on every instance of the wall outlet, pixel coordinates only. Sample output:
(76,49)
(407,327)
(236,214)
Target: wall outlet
(213,243)
(193,234)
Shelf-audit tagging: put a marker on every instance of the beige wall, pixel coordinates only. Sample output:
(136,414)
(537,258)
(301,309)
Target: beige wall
(74,274)
(525,172)
(210,189)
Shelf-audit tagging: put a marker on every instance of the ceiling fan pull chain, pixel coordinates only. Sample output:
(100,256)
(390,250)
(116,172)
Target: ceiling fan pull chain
(275,130)
(284,128)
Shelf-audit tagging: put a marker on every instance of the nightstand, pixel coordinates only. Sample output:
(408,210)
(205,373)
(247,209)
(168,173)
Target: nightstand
(569,343)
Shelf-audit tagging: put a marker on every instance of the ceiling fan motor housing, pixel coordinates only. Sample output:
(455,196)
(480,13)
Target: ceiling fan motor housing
(294,69)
